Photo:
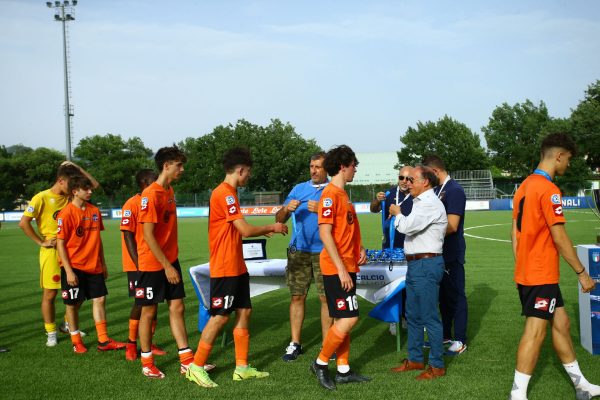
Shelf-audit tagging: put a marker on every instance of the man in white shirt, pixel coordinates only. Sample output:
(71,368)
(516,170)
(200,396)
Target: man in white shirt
(424,228)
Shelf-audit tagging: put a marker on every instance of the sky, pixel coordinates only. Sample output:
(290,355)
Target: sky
(341,72)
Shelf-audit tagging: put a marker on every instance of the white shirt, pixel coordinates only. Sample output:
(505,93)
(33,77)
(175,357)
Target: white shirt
(425,226)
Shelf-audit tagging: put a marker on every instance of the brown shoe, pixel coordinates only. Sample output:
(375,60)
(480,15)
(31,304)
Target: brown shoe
(431,373)
(408,365)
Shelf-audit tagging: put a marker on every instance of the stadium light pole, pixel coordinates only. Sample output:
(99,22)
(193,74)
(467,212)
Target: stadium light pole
(65,16)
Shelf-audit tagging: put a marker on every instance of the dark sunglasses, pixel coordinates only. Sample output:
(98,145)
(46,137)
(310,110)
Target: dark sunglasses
(402,178)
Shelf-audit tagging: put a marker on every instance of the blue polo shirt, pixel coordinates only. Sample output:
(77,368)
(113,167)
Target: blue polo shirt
(405,209)
(306,232)
(454,199)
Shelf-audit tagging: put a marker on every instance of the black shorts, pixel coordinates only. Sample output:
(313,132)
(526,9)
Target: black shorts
(228,293)
(153,287)
(132,280)
(89,286)
(540,301)
(341,304)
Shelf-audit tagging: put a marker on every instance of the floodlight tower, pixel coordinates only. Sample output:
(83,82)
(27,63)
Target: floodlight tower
(64,12)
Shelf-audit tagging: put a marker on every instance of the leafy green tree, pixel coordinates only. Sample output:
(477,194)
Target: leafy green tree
(586,126)
(281,156)
(113,162)
(513,136)
(451,140)
(11,184)
(39,167)
(24,172)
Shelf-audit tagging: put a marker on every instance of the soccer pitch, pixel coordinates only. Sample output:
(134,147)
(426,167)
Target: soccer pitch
(485,371)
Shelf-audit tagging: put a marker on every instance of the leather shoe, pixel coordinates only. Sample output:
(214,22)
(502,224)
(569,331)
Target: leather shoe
(431,373)
(322,376)
(408,365)
(350,377)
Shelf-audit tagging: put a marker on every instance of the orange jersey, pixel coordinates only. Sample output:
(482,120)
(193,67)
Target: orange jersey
(224,240)
(130,215)
(157,206)
(80,230)
(537,206)
(336,209)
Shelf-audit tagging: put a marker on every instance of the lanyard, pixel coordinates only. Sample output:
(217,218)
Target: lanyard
(542,173)
(443,186)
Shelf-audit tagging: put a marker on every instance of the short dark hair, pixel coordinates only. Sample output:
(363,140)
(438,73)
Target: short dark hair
(317,156)
(67,171)
(427,173)
(236,156)
(338,157)
(79,182)
(145,177)
(434,161)
(558,139)
(168,154)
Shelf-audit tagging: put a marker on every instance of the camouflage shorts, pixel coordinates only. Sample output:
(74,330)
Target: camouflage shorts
(299,273)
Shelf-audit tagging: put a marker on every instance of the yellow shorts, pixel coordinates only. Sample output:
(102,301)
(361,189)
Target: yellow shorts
(49,268)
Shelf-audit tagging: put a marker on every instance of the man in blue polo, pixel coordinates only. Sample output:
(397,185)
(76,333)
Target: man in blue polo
(453,301)
(304,251)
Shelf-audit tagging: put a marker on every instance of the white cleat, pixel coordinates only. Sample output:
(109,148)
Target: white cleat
(52,339)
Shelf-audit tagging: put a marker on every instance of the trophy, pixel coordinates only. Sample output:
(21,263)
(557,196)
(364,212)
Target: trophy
(594,203)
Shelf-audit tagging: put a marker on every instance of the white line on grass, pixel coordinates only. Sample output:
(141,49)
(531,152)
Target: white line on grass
(499,240)
(486,238)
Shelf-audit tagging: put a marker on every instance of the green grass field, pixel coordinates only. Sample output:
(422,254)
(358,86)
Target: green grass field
(485,371)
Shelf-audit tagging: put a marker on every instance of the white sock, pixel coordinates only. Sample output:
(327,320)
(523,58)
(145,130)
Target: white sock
(321,362)
(520,383)
(73,333)
(343,369)
(575,374)
(146,355)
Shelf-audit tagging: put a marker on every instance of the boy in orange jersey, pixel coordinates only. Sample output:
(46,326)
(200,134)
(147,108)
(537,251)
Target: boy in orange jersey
(229,279)
(341,256)
(44,208)
(538,237)
(83,270)
(159,270)
(132,233)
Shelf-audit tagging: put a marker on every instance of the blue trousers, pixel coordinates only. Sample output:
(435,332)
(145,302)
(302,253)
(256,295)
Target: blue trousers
(422,290)
(453,302)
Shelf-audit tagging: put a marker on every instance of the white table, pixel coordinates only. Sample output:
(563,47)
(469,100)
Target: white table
(373,283)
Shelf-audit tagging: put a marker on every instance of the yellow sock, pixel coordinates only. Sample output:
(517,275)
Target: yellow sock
(51,327)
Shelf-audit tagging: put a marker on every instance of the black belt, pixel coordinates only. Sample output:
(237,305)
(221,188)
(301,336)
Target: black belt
(419,256)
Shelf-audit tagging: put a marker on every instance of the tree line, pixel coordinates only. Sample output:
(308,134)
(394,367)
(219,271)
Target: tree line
(513,135)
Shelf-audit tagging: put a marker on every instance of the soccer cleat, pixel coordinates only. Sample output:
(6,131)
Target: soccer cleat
(587,392)
(52,339)
(64,328)
(249,372)
(185,366)
(292,352)
(511,397)
(350,377)
(157,351)
(152,372)
(131,352)
(408,365)
(322,375)
(110,345)
(457,347)
(79,348)
(199,376)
